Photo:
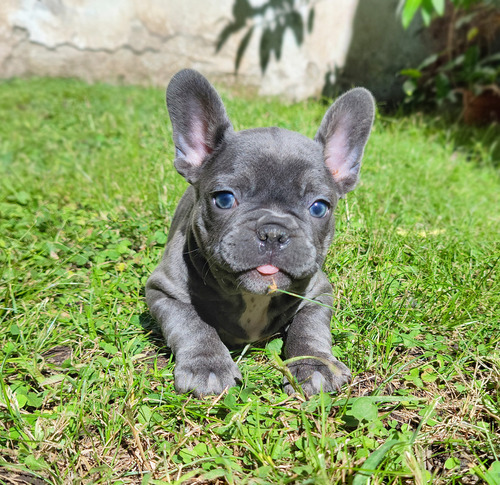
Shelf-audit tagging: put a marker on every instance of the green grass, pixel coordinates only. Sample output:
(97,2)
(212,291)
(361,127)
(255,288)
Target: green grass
(87,191)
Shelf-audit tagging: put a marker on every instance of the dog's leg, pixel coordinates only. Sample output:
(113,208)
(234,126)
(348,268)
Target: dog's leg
(309,334)
(203,363)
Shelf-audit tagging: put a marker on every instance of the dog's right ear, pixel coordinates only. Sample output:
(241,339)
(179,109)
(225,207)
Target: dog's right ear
(199,121)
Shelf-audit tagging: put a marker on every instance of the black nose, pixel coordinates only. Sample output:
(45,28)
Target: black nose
(273,234)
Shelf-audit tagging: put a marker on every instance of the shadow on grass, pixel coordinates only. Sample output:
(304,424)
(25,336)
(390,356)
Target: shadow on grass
(479,144)
(153,334)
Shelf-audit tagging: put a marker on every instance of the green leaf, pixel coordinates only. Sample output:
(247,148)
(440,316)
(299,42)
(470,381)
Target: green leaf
(108,348)
(144,414)
(274,346)
(34,400)
(230,401)
(108,255)
(442,86)
(246,393)
(123,247)
(200,449)
(188,456)
(426,16)
(80,259)
(160,237)
(35,463)
(414,376)
(409,87)
(493,474)
(439,6)
(490,476)
(21,399)
(8,348)
(409,10)
(146,479)
(451,463)
(213,474)
(413,73)
(54,379)
(428,61)
(22,197)
(364,409)
(372,462)
(428,376)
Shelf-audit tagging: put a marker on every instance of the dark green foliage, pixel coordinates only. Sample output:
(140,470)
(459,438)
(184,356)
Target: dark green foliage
(467,59)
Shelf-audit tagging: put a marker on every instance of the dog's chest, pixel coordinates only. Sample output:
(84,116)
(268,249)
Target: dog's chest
(254,318)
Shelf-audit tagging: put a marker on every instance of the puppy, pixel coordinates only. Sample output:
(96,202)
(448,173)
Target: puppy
(257,216)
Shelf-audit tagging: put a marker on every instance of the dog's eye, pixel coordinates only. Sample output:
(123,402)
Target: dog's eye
(319,208)
(225,200)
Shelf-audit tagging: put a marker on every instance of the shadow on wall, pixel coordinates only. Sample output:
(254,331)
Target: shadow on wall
(271,19)
(378,50)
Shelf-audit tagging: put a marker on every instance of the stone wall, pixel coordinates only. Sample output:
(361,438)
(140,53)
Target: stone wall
(146,41)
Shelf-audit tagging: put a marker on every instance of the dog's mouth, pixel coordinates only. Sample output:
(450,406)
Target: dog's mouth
(267,269)
(264,279)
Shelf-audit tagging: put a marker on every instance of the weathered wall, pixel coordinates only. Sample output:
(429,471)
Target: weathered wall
(147,41)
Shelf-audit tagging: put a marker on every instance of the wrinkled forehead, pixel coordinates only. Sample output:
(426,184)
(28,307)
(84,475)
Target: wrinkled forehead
(271,158)
(276,143)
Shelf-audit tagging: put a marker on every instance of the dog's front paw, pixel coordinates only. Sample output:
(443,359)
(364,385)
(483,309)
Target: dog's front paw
(206,374)
(313,375)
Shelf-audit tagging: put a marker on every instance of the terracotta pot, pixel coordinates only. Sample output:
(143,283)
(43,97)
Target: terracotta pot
(483,108)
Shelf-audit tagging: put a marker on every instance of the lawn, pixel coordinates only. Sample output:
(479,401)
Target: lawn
(87,192)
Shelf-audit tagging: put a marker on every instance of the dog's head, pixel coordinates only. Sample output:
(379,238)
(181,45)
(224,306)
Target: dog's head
(265,197)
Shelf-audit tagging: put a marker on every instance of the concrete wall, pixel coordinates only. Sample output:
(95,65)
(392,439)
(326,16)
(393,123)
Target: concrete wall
(146,41)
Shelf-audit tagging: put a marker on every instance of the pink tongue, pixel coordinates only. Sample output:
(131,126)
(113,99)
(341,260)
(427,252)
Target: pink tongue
(267,269)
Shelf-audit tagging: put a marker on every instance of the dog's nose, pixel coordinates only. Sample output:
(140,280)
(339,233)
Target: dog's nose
(272,234)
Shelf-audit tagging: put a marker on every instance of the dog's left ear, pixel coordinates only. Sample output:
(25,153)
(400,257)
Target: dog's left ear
(343,133)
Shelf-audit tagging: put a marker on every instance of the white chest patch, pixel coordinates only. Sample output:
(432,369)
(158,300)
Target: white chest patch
(254,318)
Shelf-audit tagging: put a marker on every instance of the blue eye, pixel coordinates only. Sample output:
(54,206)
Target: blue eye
(225,200)
(319,208)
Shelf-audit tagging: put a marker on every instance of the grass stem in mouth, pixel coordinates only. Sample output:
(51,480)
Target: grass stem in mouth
(274,288)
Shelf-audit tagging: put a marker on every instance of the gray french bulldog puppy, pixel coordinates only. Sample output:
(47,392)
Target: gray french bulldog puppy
(257,217)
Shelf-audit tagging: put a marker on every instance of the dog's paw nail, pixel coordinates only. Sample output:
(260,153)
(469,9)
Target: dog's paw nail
(205,378)
(318,380)
(314,377)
